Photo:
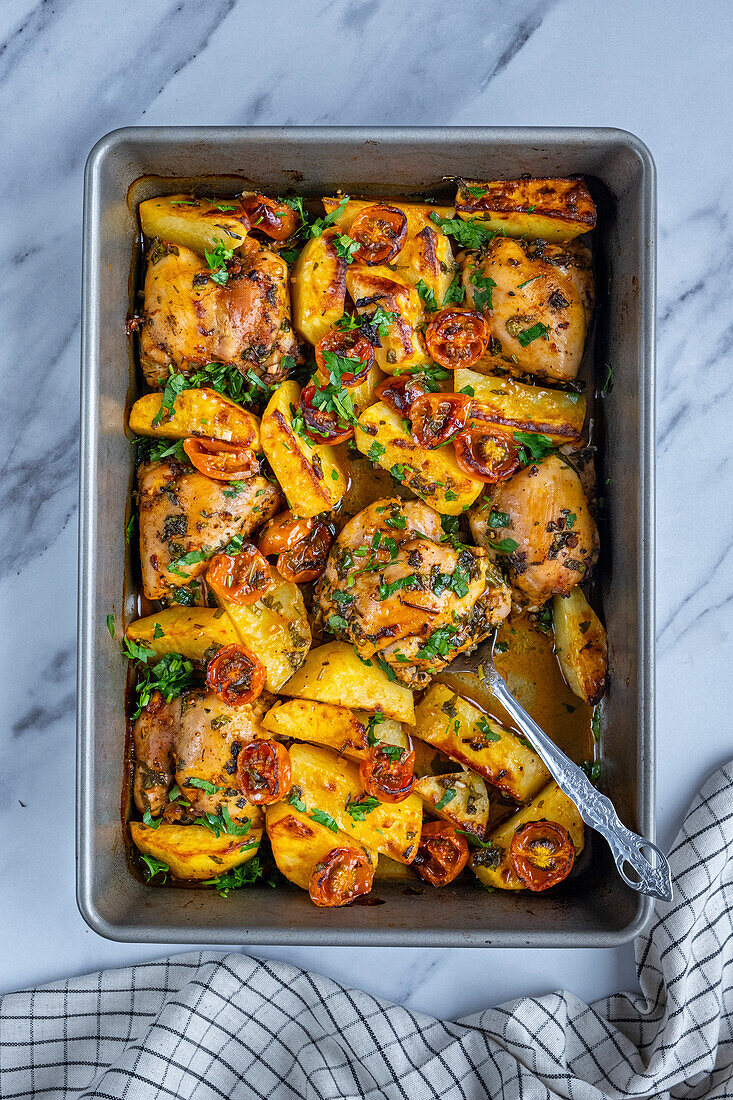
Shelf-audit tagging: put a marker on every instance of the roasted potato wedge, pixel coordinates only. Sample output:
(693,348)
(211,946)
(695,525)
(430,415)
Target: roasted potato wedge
(346,731)
(276,628)
(194,632)
(550,209)
(194,223)
(318,287)
(330,785)
(459,797)
(364,395)
(334,674)
(417,213)
(428,257)
(196,412)
(192,851)
(402,348)
(509,406)
(491,865)
(299,843)
(463,733)
(582,651)
(312,475)
(541,305)
(434,476)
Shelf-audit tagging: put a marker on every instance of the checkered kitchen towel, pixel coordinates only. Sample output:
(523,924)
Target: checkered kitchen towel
(208,1026)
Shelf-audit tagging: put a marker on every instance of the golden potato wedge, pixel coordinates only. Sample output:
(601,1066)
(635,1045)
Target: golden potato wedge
(463,733)
(428,258)
(330,786)
(582,650)
(550,209)
(491,865)
(334,674)
(459,797)
(510,406)
(346,731)
(276,628)
(434,476)
(194,632)
(403,346)
(299,843)
(197,412)
(318,287)
(364,394)
(194,223)
(389,870)
(311,475)
(417,213)
(192,851)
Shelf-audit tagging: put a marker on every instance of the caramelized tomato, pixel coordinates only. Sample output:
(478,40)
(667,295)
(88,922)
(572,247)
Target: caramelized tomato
(486,456)
(283,532)
(343,875)
(263,771)
(442,853)
(235,675)
(387,773)
(241,578)
(351,346)
(400,392)
(322,425)
(457,337)
(306,560)
(276,220)
(541,854)
(439,417)
(221,461)
(380,232)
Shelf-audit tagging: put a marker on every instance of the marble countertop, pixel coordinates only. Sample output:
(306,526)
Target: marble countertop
(70,72)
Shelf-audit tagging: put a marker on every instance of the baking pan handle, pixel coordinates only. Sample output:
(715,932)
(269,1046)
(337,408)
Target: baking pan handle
(639,862)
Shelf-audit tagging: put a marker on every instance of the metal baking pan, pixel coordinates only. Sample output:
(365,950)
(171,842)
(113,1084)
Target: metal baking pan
(126,166)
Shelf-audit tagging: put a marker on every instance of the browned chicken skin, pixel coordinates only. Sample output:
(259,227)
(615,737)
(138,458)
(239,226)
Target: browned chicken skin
(153,735)
(183,512)
(191,320)
(405,592)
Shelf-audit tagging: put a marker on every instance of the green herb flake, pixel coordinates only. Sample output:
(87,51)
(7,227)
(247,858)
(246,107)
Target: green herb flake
(154,867)
(111,625)
(448,795)
(324,819)
(527,335)
(359,810)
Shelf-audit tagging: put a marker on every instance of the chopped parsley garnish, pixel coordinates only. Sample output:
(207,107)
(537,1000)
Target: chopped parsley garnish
(375,452)
(150,821)
(203,785)
(158,631)
(337,622)
(456,582)
(455,293)
(373,721)
(477,192)
(570,519)
(468,390)
(130,528)
(387,590)
(134,651)
(295,800)
(592,769)
(595,724)
(223,823)
(111,625)
(359,810)
(483,288)
(467,234)
(172,674)
(345,247)
(235,488)
(504,546)
(244,875)
(608,384)
(154,867)
(527,335)
(234,545)
(448,795)
(474,841)
(498,519)
(315,229)
(438,644)
(427,295)
(528,281)
(324,819)
(193,557)
(429,374)
(174,386)
(482,725)
(533,447)
(217,260)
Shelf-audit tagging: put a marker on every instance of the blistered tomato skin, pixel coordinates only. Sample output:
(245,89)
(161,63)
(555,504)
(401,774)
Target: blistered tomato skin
(284,531)
(442,853)
(307,559)
(386,776)
(541,854)
(221,461)
(485,456)
(380,232)
(346,345)
(344,875)
(400,392)
(322,425)
(236,675)
(240,578)
(457,337)
(263,771)
(438,417)
(276,220)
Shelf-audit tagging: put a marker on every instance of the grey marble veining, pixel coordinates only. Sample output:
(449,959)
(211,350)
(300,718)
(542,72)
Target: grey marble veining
(72,70)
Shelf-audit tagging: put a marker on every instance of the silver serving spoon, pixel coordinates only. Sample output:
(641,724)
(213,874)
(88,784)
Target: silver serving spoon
(650,869)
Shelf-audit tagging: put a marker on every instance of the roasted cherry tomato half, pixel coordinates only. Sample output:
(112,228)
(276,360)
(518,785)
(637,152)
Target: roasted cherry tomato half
(380,232)
(284,531)
(221,461)
(485,456)
(400,392)
(388,772)
(439,417)
(347,345)
(343,874)
(322,425)
(457,337)
(541,854)
(442,853)
(235,675)
(306,561)
(240,578)
(263,771)
(276,220)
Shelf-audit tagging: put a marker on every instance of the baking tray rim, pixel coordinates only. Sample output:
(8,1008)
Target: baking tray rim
(90,366)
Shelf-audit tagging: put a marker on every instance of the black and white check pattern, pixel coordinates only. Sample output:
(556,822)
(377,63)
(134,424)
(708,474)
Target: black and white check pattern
(211,1026)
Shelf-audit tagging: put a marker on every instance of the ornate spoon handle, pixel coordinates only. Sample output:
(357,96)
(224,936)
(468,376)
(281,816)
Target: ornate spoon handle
(639,862)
